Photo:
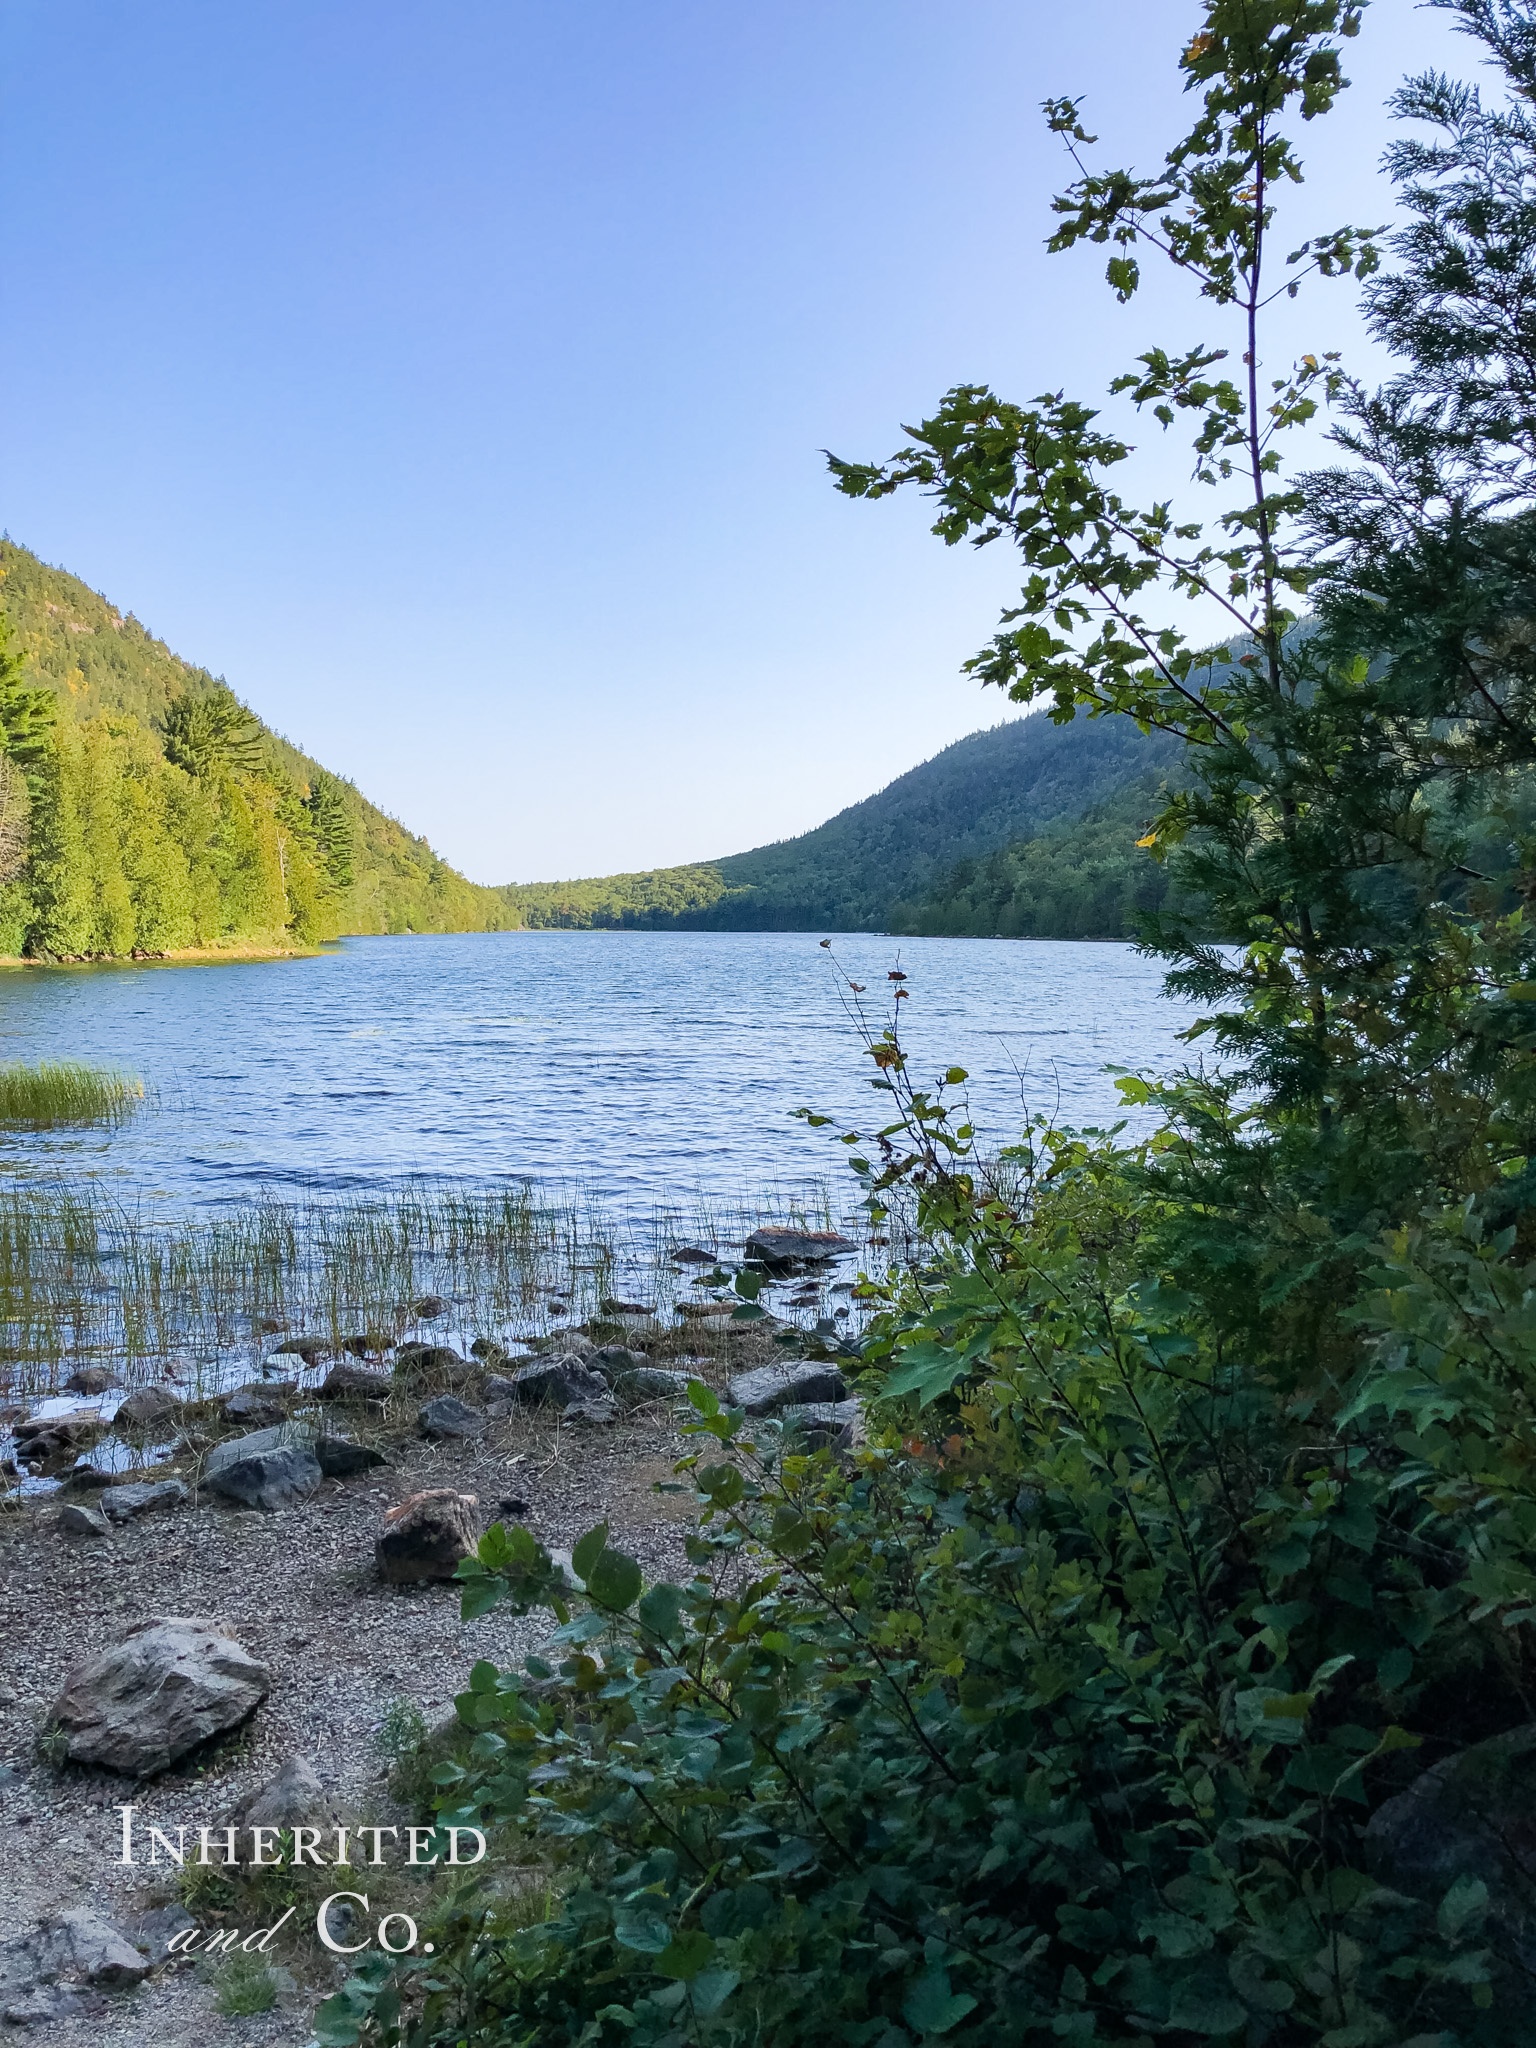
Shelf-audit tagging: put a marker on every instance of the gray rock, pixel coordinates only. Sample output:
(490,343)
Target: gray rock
(611,1360)
(1470,1815)
(86,1478)
(89,1379)
(123,1503)
(782,1245)
(269,1479)
(772,1387)
(75,1520)
(152,1931)
(419,1363)
(281,1436)
(560,1382)
(446,1418)
(258,1405)
(650,1383)
(355,1383)
(339,1458)
(822,1424)
(605,1410)
(294,1797)
(307,1348)
(42,2004)
(426,1536)
(169,1685)
(85,1949)
(148,1404)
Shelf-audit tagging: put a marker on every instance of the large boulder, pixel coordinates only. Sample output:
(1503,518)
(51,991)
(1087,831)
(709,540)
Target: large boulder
(558,1382)
(425,1536)
(772,1387)
(169,1685)
(147,1405)
(779,1247)
(44,1972)
(269,1468)
(123,1503)
(1471,1815)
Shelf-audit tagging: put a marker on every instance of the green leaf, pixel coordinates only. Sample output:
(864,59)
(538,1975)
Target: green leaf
(1465,1902)
(661,1609)
(588,1550)
(647,1932)
(685,1954)
(615,1581)
(704,1399)
(931,2007)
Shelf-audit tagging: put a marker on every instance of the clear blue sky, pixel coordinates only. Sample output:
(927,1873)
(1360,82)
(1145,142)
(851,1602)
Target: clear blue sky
(452,377)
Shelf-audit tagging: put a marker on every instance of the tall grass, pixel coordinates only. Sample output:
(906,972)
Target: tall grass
(66,1092)
(85,1277)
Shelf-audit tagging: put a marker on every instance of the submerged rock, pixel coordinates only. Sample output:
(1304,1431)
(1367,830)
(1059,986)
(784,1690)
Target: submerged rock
(307,1348)
(89,1379)
(171,1683)
(429,1308)
(781,1246)
(772,1387)
(426,1536)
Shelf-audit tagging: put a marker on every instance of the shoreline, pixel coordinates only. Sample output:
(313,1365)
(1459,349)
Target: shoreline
(180,956)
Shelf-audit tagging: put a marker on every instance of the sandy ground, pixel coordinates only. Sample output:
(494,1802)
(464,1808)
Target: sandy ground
(298,1589)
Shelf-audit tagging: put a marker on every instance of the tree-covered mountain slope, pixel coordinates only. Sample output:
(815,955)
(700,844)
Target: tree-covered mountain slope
(159,814)
(908,857)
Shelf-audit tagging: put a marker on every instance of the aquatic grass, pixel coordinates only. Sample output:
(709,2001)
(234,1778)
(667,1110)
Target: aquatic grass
(66,1092)
(86,1277)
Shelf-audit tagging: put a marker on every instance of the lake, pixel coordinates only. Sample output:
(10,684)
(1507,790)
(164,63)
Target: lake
(643,1067)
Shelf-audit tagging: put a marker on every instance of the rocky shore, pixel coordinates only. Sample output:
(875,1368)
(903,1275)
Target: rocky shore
(266,1598)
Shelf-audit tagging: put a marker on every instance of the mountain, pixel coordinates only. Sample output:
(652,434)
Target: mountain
(1061,805)
(164,815)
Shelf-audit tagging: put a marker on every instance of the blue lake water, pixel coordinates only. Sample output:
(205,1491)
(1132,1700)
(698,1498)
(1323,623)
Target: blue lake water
(642,1066)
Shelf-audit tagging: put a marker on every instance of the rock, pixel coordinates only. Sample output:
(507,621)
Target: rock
(339,1458)
(148,1404)
(79,1945)
(65,1432)
(557,1381)
(650,1383)
(778,1247)
(610,1306)
(169,1685)
(426,1536)
(429,1308)
(606,1410)
(447,1418)
(257,1404)
(307,1348)
(281,1436)
(417,1362)
(772,1387)
(1470,1815)
(86,1478)
(489,1351)
(367,1344)
(271,1479)
(123,1503)
(293,1798)
(78,1521)
(89,1379)
(822,1424)
(612,1360)
(355,1383)
(42,2003)
(152,1931)
(697,1309)
(691,1255)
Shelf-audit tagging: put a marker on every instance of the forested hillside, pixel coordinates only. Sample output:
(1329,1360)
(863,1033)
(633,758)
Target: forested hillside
(143,808)
(1066,802)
